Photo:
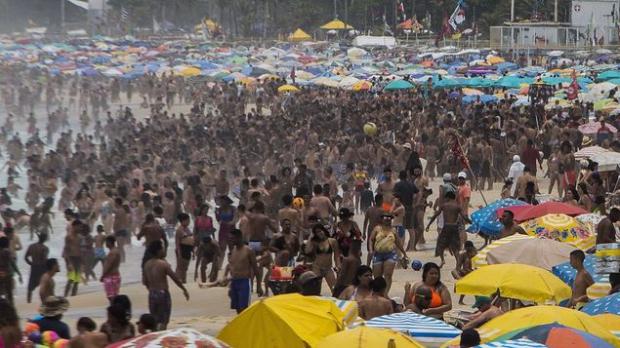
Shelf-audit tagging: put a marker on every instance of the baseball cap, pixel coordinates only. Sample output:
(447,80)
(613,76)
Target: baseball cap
(516,158)
(481,301)
(306,277)
(462,175)
(447,177)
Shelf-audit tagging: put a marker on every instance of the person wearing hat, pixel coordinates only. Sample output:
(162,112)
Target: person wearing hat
(516,170)
(487,310)
(51,314)
(347,230)
(384,244)
(309,284)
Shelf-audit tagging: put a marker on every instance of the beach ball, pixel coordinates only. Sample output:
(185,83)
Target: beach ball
(30,328)
(416,265)
(49,337)
(61,343)
(370,129)
(298,203)
(35,337)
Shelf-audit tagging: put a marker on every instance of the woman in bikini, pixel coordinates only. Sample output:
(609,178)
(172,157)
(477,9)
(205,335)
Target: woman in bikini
(360,289)
(325,253)
(347,231)
(440,301)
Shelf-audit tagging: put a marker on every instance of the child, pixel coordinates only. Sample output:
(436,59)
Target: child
(146,324)
(464,266)
(366,198)
(208,252)
(507,189)
(99,246)
(85,325)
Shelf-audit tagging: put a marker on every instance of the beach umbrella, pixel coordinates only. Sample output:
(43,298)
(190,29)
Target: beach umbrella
(495,60)
(527,317)
(349,309)
(283,321)
(422,328)
(608,75)
(299,35)
(590,151)
(182,337)
(363,337)
(325,81)
(362,85)
(555,335)
(609,321)
(485,219)
(555,53)
(398,85)
(591,219)
(336,24)
(471,91)
(543,253)
(518,281)
(591,128)
(567,273)
(287,88)
(522,343)
(562,228)
(480,260)
(528,212)
(607,161)
(607,304)
(189,71)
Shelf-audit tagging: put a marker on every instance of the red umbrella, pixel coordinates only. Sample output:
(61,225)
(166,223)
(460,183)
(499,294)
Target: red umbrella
(528,212)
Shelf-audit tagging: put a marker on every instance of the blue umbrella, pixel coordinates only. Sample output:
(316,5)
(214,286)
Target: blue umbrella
(485,220)
(607,304)
(420,327)
(567,273)
(521,343)
(398,84)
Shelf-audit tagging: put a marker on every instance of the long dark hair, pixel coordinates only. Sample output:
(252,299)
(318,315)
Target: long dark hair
(427,267)
(361,270)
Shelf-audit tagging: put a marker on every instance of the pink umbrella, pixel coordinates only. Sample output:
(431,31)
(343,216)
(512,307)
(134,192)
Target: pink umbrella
(528,212)
(592,128)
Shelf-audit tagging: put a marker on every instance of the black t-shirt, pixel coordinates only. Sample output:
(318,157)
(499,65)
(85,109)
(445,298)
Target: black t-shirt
(405,190)
(52,324)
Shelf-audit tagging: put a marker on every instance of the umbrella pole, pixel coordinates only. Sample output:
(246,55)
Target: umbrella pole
(473,175)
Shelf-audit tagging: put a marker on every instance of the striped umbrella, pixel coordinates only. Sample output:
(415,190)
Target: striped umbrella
(424,329)
(522,343)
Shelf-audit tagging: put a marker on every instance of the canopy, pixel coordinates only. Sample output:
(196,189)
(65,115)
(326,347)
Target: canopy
(562,228)
(543,253)
(422,328)
(540,315)
(518,281)
(557,335)
(336,24)
(362,337)
(182,337)
(299,35)
(528,212)
(607,304)
(284,321)
(398,84)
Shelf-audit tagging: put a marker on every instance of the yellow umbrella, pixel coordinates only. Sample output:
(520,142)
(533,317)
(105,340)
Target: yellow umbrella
(299,35)
(247,80)
(363,337)
(495,60)
(540,315)
(284,321)
(610,322)
(336,24)
(471,91)
(562,228)
(189,71)
(361,86)
(287,88)
(514,280)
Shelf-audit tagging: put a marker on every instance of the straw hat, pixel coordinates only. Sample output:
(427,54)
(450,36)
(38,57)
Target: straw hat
(53,306)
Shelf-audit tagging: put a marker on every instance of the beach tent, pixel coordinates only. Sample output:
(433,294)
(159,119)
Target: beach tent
(290,320)
(336,24)
(299,35)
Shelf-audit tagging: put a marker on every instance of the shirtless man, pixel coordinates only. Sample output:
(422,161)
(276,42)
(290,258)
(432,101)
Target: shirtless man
(170,213)
(185,245)
(509,226)
(372,218)
(486,166)
(36,256)
(121,225)
(258,223)
(243,268)
(151,231)
(583,279)
(47,284)
(8,267)
(289,213)
(110,276)
(376,304)
(605,231)
(323,204)
(156,273)
(285,244)
(386,188)
(449,236)
(73,255)
(222,186)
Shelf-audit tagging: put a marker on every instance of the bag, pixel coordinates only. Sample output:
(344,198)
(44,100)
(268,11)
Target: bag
(385,242)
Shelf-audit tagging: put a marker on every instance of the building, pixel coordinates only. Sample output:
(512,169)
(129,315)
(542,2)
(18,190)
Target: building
(592,23)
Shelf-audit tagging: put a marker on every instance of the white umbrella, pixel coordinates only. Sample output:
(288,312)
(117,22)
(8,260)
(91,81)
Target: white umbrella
(607,161)
(603,51)
(555,53)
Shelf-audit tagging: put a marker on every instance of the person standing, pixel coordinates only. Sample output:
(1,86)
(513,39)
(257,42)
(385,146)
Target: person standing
(46,284)
(184,243)
(605,230)
(36,257)
(111,276)
(121,225)
(384,244)
(449,237)
(406,192)
(243,267)
(151,231)
(7,269)
(156,274)
(583,279)
(73,255)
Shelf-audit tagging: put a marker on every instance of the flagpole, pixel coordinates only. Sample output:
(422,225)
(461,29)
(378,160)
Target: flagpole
(473,175)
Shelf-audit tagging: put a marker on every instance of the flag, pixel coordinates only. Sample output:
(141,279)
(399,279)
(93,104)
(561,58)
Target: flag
(573,89)
(401,9)
(458,16)
(458,153)
(124,14)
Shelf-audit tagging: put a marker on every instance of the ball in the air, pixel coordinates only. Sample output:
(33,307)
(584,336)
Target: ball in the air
(61,343)
(370,129)
(298,203)
(49,337)
(416,265)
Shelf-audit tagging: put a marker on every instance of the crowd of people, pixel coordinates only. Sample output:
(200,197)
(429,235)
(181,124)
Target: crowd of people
(247,180)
